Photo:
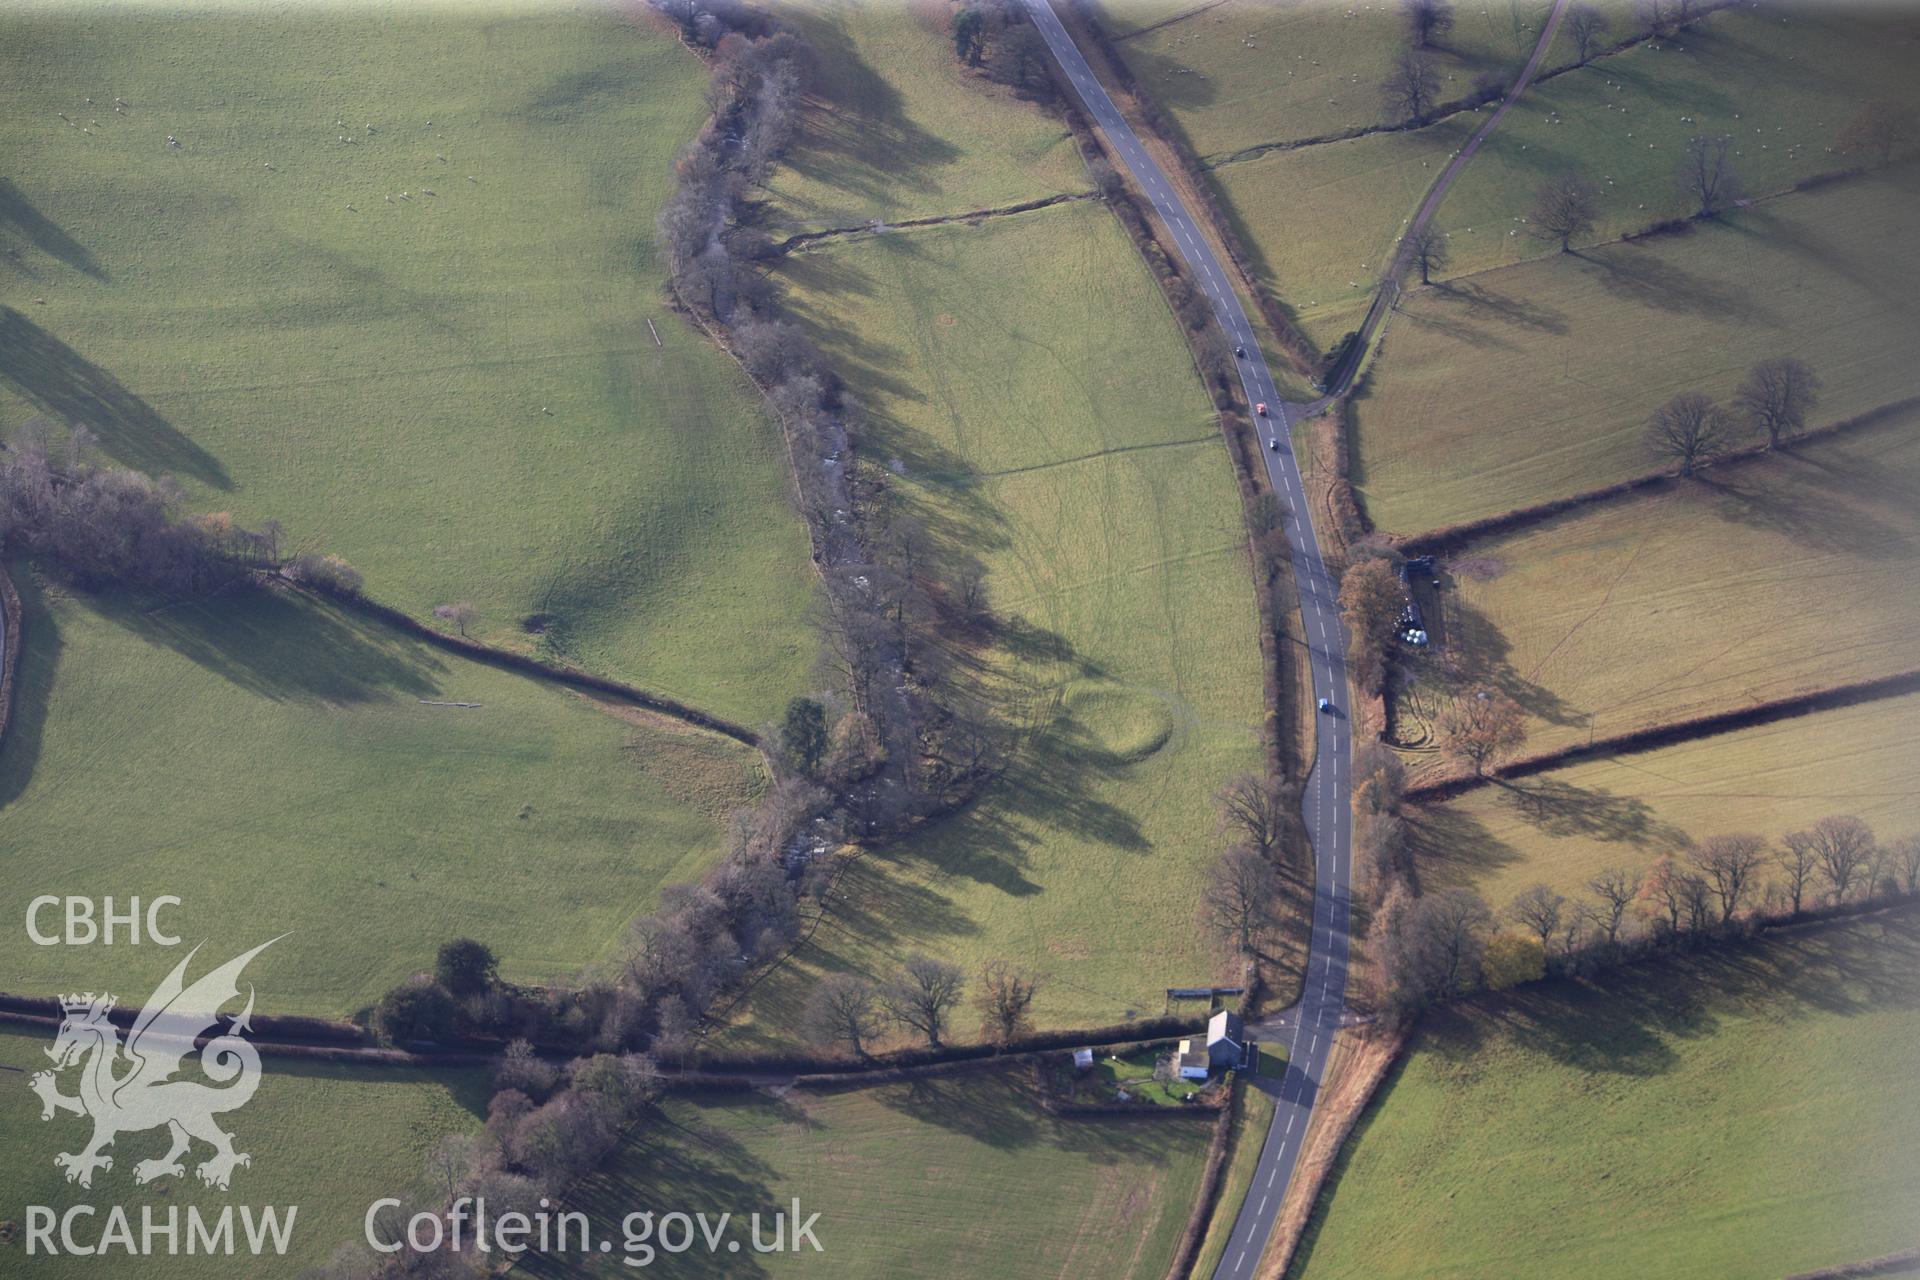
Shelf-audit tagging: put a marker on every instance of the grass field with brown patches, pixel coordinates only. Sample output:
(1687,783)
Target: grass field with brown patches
(1247,72)
(1056,433)
(897,127)
(1769,578)
(939,1178)
(392,288)
(1323,220)
(1534,382)
(277,763)
(1742,1113)
(1778,79)
(1563,826)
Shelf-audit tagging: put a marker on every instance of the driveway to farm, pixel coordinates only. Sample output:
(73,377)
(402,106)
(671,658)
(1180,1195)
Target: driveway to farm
(1326,809)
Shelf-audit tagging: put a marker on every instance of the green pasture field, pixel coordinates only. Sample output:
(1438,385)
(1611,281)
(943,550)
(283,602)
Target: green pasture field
(457,391)
(1248,72)
(1738,1114)
(1534,382)
(897,127)
(269,760)
(949,1177)
(1781,81)
(1562,827)
(1777,576)
(326,1138)
(1322,221)
(1029,388)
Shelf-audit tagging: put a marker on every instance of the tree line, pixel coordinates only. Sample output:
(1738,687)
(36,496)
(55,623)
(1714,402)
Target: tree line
(104,525)
(549,1123)
(111,525)
(1434,947)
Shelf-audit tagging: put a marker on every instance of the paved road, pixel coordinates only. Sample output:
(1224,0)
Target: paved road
(1326,810)
(1309,1026)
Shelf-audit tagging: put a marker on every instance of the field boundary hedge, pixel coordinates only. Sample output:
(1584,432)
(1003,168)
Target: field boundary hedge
(1707,726)
(1444,111)
(1212,1178)
(878,227)
(527,664)
(1455,537)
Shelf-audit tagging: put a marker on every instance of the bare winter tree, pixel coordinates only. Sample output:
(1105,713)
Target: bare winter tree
(1410,88)
(1844,846)
(1730,865)
(1587,26)
(842,1010)
(1616,887)
(1428,21)
(1878,129)
(1705,173)
(1242,894)
(451,1160)
(1689,430)
(1799,859)
(1430,947)
(1427,250)
(1251,807)
(1777,397)
(1480,727)
(1565,208)
(1005,995)
(1906,862)
(1665,890)
(924,994)
(460,614)
(1657,16)
(1537,909)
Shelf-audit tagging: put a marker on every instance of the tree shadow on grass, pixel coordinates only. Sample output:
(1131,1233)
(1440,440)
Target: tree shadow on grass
(1451,849)
(989,1108)
(285,647)
(1640,275)
(1556,807)
(672,1163)
(1861,261)
(18,217)
(1810,507)
(1473,314)
(855,138)
(1630,1020)
(1481,654)
(65,384)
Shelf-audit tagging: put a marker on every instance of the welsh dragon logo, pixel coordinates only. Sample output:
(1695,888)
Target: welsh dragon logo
(129,1088)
